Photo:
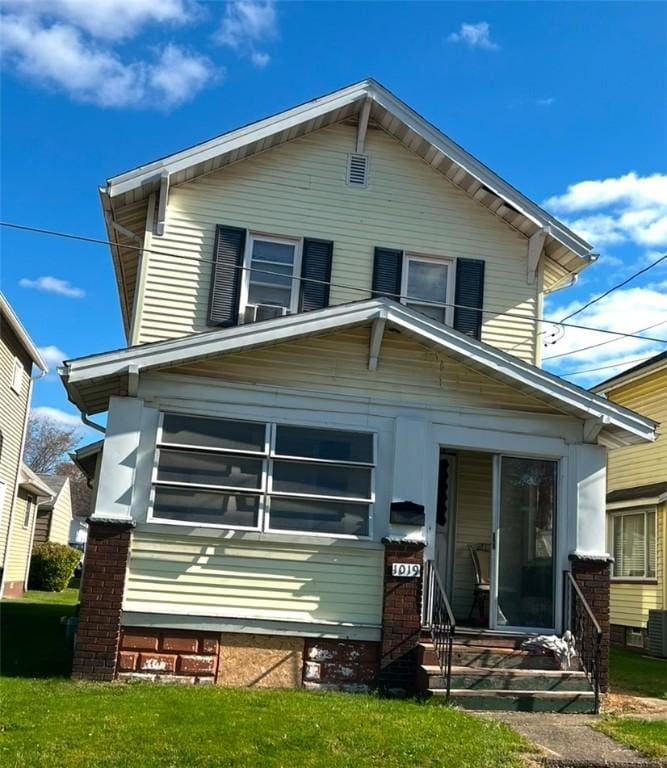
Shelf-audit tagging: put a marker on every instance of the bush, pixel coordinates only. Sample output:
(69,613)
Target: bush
(52,566)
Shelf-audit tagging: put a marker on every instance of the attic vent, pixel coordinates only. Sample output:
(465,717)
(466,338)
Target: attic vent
(357,170)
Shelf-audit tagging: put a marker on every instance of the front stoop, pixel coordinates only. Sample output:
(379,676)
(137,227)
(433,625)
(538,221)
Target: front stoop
(493,674)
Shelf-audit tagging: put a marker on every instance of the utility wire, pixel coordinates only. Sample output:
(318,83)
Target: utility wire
(602,343)
(413,299)
(614,288)
(605,367)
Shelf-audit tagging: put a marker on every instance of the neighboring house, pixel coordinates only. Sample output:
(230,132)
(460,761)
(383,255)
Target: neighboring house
(637,509)
(18,357)
(54,517)
(331,390)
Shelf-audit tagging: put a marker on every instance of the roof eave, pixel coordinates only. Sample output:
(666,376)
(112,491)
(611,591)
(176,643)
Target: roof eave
(620,425)
(24,338)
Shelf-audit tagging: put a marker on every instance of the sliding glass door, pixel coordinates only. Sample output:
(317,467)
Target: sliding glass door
(524,544)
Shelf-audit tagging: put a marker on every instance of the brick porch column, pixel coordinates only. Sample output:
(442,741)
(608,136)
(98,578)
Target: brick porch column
(401,617)
(592,576)
(98,632)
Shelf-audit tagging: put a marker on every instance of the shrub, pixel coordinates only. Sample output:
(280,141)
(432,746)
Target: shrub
(52,566)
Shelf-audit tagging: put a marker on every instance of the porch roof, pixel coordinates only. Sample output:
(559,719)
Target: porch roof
(91,381)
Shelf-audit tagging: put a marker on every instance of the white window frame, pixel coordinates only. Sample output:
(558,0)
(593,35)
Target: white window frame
(251,237)
(409,256)
(265,492)
(29,506)
(617,515)
(17,376)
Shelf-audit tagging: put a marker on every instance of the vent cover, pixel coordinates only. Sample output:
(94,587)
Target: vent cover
(357,170)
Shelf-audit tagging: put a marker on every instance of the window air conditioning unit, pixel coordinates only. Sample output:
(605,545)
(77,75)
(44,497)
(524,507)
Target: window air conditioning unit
(657,633)
(256,312)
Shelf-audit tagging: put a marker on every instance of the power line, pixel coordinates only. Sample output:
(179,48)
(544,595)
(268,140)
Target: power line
(414,299)
(605,367)
(614,288)
(602,343)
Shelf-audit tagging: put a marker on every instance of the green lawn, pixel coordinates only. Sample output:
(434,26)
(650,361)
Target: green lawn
(630,672)
(47,720)
(648,736)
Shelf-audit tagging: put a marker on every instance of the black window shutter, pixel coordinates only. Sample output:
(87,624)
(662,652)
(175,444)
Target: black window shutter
(387,270)
(315,274)
(223,305)
(469,296)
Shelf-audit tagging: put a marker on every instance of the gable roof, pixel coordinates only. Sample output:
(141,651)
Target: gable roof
(56,483)
(124,198)
(32,483)
(653,364)
(7,315)
(91,381)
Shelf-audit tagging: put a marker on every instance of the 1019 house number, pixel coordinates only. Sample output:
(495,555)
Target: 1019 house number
(406,570)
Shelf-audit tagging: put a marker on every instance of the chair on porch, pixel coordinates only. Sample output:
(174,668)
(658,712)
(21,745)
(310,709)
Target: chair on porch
(481,561)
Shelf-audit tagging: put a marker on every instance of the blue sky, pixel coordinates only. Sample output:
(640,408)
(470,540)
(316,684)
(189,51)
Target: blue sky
(564,100)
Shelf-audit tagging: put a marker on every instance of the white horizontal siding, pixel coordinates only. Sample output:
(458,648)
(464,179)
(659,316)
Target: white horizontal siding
(338,363)
(299,189)
(313,584)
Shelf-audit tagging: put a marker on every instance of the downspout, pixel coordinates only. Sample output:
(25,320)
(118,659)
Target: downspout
(92,424)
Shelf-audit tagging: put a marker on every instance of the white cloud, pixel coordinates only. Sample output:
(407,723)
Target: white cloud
(55,414)
(247,24)
(475,36)
(626,310)
(53,356)
(55,285)
(60,45)
(547,102)
(111,19)
(624,209)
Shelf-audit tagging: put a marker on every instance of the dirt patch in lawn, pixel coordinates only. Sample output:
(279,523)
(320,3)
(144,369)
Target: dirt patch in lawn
(628,705)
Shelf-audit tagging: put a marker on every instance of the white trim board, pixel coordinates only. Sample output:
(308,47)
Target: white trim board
(104,375)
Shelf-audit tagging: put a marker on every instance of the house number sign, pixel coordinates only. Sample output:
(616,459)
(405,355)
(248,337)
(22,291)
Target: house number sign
(406,570)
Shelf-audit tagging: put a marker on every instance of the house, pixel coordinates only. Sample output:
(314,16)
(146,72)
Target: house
(330,399)
(19,488)
(54,516)
(637,512)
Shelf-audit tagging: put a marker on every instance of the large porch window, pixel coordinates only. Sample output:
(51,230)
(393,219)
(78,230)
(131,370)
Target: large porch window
(263,476)
(633,544)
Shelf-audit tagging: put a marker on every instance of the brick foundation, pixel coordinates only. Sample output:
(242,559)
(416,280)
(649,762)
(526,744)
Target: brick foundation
(592,576)
(168,656)
(401,618)
(98,631)
(618,636)
(13,589)
(345,665)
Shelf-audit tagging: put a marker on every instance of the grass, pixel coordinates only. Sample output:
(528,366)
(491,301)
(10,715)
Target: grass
(630,672)
(647,736)
(48,720)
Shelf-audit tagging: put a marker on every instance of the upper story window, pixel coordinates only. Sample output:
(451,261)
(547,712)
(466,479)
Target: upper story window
(27,515)
(428,286)
(633,543)
(271,284)
(266,477)
(17,376)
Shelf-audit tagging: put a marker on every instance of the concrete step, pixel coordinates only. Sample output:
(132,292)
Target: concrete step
(481,679)
(489,658)
(520,701)
(489,639)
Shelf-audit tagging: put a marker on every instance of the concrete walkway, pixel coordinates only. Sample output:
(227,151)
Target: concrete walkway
(568,741)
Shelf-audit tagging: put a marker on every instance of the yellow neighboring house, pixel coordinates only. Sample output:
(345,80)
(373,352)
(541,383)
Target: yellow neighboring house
(637,511)
(54,516)
(19,488)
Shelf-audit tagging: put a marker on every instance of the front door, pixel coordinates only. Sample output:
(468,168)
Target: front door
(524,544)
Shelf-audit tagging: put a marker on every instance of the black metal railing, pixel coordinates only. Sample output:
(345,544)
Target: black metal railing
(580,620)
(439,620)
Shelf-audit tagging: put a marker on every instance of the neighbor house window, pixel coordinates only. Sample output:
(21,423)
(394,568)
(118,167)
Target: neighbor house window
(29,504)
(270,285)
(260,476)
(17,376)
(633,544)
(428,286)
